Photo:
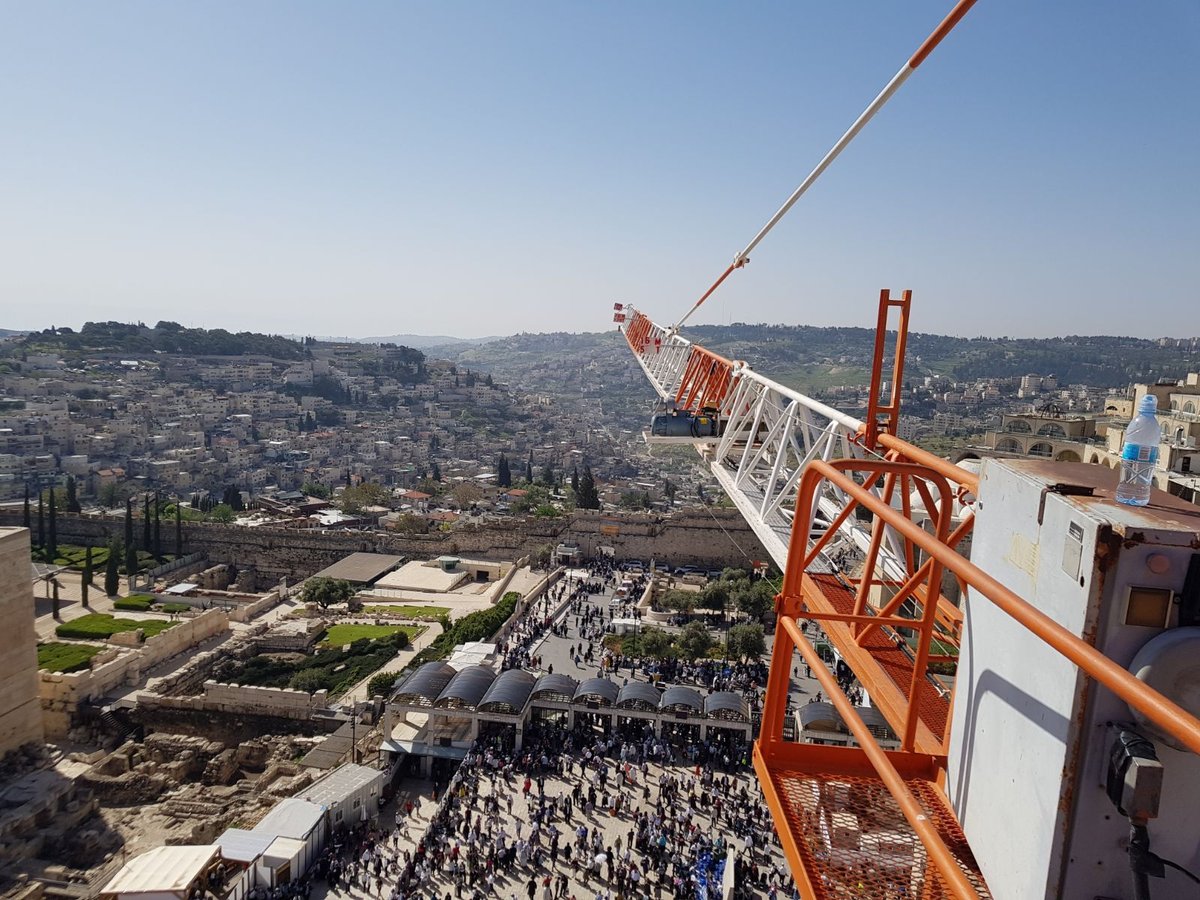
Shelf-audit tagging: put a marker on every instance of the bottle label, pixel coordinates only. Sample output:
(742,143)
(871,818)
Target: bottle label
(1139,453)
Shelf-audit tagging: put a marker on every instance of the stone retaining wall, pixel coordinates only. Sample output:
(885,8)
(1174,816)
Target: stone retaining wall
(61,694)
(714,537)
(243,700)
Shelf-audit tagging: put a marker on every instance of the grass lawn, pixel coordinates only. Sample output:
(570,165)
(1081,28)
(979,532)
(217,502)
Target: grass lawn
(102,625)
(73,556)
(409,612)
(341,635)
(135,602)
(59,657)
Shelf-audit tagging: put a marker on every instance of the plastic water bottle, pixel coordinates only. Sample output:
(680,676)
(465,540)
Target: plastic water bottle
(1139,454)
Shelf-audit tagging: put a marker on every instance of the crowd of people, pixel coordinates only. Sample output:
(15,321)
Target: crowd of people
(581,814)
(572,815)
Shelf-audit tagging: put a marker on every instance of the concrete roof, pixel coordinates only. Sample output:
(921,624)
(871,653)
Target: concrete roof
(361,568)
(340,784)
(417,576)
(163,870)
(241,845)
(291,818)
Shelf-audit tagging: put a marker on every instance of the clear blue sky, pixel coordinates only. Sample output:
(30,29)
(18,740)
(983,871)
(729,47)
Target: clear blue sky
(477,168)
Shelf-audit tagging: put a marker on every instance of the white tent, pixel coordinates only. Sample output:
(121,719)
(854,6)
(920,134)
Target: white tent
(164,873)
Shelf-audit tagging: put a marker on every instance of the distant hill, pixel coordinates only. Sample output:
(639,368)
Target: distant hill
(6,333)
(812,359)
(165,337)
(425,341)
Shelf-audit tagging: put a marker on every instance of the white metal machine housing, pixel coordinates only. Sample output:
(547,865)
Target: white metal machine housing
(1030,736)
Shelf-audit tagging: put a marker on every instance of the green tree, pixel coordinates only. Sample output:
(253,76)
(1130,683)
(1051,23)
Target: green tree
(354,500)
(41,523)
(503,475)
(381,685)
(131,560)
(86,580)
(669,490)
(694,641)
(52,539)
(147,541)
(27,519)
(657,644)
(108,495)
(112,570)
(529,469)
(746,642)
(72,499)
(326,591)
(314,489)
(222,513)
(158,554)
(756,599)
(548,475)
(679,601)
(410,523)
(178,531)
(435,472)
(233,498)
(128,522)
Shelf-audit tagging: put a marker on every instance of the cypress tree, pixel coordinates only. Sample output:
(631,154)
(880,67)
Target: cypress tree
(41,523)
(86,580)
(72,496)
(128,522)
(28,522)
(146,522)
(131,561)
(529,468)
(178,531)
(130,547)
(112,570)
(157,528)
(52,542)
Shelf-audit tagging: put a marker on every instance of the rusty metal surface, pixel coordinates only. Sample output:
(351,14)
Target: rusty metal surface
(1164,511)
(851,842)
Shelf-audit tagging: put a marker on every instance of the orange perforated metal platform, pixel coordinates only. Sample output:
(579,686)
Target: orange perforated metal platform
(825,593)
(846,836)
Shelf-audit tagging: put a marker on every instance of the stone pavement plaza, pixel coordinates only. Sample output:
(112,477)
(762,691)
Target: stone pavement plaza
(515,810)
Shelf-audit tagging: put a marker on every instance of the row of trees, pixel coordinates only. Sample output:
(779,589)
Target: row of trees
(735,589)
(744,642)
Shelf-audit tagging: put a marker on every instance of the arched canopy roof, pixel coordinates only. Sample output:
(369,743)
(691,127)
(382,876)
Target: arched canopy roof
(639,695)
(555,687)
(681,699)
(728,706)
(600,689)
(824,717)
(509,693)
(821,716)
(875,721)
(423,686)
(466,689)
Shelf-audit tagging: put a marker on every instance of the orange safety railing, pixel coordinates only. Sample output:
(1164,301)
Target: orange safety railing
(637,332)
(706,381)
(897,770)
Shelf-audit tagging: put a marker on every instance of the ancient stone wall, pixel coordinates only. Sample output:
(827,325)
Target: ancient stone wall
(243,700)
(61,693)
(714,537)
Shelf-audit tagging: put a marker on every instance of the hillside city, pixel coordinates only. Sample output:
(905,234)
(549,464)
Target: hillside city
(297,617)
(288,426)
